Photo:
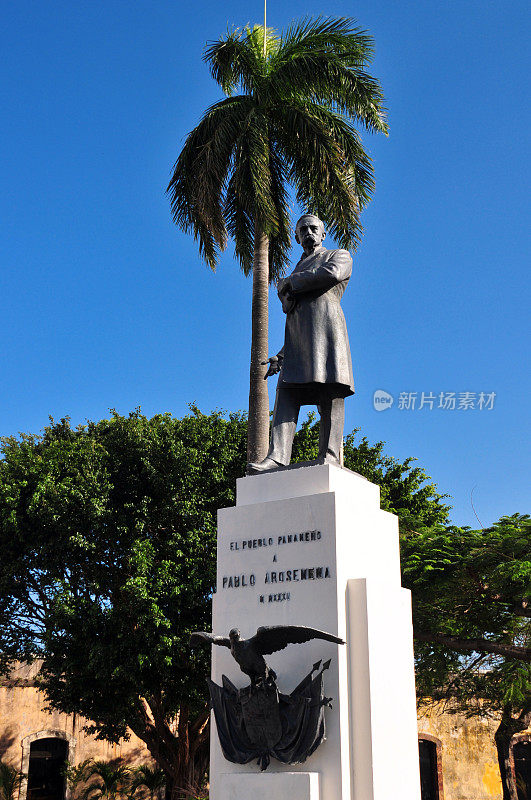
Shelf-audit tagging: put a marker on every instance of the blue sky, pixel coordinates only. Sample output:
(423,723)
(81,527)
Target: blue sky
(106,304)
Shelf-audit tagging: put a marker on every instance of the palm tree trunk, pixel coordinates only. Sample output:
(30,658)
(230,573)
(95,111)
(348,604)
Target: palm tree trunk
(258,427)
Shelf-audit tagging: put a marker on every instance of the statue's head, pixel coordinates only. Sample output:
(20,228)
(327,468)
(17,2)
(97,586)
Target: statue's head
(309,232)
(234,635)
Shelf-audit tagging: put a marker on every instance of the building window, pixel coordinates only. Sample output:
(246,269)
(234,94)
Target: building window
(522,768)
(431,787)
(46,761)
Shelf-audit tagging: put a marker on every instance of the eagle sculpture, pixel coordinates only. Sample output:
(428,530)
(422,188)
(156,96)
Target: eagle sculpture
(249,653)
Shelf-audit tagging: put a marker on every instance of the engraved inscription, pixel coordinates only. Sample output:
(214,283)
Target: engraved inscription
(280,597)
(301,574)
(270,541)
(277,576)
(238,581)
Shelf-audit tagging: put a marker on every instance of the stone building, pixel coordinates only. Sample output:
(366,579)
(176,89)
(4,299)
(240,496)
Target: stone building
(457,755)
(38,742)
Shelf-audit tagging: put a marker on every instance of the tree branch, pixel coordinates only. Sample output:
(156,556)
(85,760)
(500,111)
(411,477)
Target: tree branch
(143,727)
(475,645)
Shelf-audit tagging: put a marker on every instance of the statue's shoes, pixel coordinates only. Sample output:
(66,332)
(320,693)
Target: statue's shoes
(254,467)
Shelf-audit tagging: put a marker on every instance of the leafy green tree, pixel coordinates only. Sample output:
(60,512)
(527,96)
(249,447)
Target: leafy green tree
(108,536)
(287,119)
(108,541)
(10,780)
(471,615)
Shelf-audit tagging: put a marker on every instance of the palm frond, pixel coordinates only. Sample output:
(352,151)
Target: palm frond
(240,220)
(152,778)
(241,201)
(93,792)
(200,174)
(76,774)
(235,60)
(261,160)
(255,39)
(325,63)
(355,163)
(293,123)
(331,172)
(10,780)
(112,777)
(327,81)
(280,241)
(257,190)
(340,34)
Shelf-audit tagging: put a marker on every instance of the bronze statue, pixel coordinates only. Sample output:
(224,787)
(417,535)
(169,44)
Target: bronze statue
(249,653)
(314,364)
(259,721)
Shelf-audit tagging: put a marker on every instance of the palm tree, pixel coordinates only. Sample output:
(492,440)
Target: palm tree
(10,780)
(76,775)
(112,780)
(292,123)
(153,780)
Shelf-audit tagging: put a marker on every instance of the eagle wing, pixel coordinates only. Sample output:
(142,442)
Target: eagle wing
(269,639)
(201,637)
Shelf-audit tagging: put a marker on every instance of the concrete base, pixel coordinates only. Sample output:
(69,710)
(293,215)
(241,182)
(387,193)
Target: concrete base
(269,786)
(311,546)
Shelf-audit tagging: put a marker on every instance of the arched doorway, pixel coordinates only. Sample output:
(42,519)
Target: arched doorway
(46,761)
(43,755)
(522,767)
(430,768)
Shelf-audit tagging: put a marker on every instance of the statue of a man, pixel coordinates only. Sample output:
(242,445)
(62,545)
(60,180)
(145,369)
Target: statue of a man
(314,364)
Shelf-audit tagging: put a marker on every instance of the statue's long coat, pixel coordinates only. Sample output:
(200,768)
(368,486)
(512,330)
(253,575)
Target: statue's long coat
(316,347)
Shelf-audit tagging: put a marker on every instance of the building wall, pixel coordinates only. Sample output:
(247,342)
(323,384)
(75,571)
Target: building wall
(22,715)
(468,753)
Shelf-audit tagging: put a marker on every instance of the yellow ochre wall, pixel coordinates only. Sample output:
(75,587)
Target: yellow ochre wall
(468,753)
(469,759)
(22,714)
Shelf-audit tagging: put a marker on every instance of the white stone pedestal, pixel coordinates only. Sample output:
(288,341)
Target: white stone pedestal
(310,546)
(269,786)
